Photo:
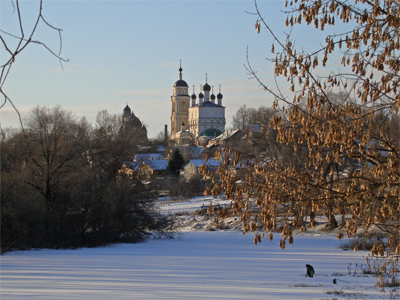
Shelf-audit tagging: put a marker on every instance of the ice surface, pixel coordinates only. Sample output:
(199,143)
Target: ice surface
(200,265)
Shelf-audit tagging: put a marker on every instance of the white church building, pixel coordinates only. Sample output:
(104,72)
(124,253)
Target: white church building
(203,118)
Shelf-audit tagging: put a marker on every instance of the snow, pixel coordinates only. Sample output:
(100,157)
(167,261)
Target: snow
(198,162)
(198,265)
(157,164)
(175,206)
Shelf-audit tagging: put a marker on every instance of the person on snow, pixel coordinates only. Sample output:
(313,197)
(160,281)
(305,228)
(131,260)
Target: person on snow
(310,271)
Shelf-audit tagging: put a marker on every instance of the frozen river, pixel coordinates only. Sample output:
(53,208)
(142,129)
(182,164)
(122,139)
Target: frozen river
(200,265)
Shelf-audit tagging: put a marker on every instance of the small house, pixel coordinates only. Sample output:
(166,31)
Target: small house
(191,167)
(152,168)
(129,169)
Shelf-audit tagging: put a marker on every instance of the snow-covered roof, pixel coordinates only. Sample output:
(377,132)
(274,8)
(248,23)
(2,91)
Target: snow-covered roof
(227,134)
(196,151)
(133,165)
(157,164)
(222,137)
(199,162)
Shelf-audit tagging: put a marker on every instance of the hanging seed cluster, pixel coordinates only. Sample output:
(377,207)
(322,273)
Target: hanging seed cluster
(340,127)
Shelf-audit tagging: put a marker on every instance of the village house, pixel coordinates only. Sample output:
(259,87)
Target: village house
(228,138)
(129,169)
(152,168)
(191,167)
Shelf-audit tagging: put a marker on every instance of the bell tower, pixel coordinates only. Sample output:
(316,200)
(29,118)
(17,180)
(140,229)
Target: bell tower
(180,105)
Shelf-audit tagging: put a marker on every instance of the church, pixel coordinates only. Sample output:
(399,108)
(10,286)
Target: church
(130,121)
(192,119)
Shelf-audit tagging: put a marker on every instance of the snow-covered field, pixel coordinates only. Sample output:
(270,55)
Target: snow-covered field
(199,265)
(174,206)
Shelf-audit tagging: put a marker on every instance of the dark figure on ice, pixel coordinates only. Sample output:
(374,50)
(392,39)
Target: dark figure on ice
(310,271)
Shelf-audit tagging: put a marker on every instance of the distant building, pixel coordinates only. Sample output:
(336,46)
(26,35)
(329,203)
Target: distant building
(130,121)
(130,169)
(180,106)
(203,118)
(228,138)
(207,118)
(144,169)
(191,167)
(152,168)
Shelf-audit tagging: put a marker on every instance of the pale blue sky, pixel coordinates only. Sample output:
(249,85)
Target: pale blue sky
(128,52)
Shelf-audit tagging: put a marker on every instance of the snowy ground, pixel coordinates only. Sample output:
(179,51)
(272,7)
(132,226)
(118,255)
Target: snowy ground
(199,265)
(174,206)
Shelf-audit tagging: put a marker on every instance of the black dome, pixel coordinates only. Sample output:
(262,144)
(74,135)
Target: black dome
(219,96)
(181,82)
(212,97)
(127,110)
(201,95)
(206,87)
(193,96)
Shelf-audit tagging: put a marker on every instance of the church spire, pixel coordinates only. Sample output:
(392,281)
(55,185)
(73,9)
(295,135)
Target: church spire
(212,95)
(180,69)
(219,96)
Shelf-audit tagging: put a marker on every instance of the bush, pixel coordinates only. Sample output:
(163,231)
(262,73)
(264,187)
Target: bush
(361,243)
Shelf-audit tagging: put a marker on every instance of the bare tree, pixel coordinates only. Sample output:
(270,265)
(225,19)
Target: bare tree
(24,37)
(114,144)
(241,119)
(57,147)
(246,116)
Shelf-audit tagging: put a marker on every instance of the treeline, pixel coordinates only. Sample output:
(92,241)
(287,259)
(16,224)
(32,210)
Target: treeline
(61,186)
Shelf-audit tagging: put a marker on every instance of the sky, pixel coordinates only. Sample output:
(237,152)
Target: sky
(129,52)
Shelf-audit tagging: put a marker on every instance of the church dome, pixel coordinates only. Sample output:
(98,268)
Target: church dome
(212,97)
(193,96)
(219,96)
(181,82)
(211,132)
(201,95)
(127,110)
(206,87)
